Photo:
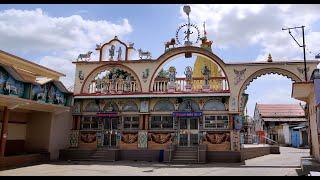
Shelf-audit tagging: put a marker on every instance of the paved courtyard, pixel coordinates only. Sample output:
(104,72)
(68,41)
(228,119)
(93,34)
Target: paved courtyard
(285,164)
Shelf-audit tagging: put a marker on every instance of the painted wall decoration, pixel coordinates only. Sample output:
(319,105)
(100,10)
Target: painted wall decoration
(301,70)
(3,78)
(39,93)
(189,105)
(164,105)
(88,137)
(239,76)
(160,138)
(129,138)
(81,75)
(114,50)
(13,87)
(74,138)
(110,107)
(216,138)
(145,75)
(214,105)
(130,107)
(238,122)
(144,106)
(92,106)
(143,139)
(235,136)
(55,96)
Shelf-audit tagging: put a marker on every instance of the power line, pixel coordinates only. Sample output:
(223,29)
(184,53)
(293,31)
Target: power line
(303,46)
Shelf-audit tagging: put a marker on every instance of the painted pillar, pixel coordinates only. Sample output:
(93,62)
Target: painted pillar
(78,122)
(146,122)
(4,131)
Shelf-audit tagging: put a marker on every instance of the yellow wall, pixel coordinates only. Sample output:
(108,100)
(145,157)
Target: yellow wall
(17,131)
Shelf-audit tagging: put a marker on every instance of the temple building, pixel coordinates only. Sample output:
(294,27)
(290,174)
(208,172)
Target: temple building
(133,109)
(35,113)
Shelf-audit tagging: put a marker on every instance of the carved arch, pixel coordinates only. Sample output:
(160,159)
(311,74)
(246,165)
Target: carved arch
(164,105)
(172,53)
(97,70)
(264,71)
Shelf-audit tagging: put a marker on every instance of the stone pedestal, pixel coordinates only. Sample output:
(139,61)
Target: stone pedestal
(205,88)
(171,87)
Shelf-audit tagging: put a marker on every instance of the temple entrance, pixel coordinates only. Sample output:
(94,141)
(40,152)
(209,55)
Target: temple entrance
(110,126)
(188,131)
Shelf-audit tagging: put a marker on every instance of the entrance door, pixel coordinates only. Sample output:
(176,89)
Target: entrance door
(188,131)
(110,129)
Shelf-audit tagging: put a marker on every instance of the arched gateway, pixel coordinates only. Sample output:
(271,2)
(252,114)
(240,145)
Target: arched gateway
(156,109)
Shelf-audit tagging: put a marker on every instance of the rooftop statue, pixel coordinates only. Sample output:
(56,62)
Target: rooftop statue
(84,56)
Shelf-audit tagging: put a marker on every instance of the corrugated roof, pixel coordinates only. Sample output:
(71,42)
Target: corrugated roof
(280,110)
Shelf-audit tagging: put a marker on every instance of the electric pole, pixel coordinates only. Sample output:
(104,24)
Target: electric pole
(303,46)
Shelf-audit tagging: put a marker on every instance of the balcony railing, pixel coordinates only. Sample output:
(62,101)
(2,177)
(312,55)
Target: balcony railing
(117,88)
(216,84)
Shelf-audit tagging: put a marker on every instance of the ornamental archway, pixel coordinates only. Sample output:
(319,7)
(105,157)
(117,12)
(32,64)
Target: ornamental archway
(264,71)
(135,84)
(180,51)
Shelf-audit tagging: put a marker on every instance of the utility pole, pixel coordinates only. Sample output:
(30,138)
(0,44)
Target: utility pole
(303,46)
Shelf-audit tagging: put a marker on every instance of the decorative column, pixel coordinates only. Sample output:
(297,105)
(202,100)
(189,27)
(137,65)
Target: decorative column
(146,122)
(78,122)
(4,131)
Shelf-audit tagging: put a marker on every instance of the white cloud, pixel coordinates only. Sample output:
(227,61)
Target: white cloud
(259,25)
(61,39)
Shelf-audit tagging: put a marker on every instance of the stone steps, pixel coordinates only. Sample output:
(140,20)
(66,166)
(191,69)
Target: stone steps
(185,155)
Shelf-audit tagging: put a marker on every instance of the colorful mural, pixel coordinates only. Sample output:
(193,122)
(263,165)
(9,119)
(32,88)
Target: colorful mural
(9,85)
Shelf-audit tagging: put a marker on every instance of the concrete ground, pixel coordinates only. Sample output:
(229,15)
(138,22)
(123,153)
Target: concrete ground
(285,164)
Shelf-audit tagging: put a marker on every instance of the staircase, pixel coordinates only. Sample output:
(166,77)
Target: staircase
(185,155)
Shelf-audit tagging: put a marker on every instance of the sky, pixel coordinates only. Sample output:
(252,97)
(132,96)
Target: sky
(54,35)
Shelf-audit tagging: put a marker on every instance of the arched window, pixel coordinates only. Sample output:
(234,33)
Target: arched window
(189,105)
(92,107)
(130,107)
(110,107)
(164,106)
(214,105)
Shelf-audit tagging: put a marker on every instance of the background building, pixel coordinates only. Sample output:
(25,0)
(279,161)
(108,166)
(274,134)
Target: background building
(35,111)
(285,124)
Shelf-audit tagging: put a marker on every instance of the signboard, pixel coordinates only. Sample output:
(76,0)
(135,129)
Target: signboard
(187,114)
(110,114)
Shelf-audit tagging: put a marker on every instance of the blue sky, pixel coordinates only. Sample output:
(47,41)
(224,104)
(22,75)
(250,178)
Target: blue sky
(53,35)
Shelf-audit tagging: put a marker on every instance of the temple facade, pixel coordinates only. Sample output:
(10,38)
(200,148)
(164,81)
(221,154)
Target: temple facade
(134,109)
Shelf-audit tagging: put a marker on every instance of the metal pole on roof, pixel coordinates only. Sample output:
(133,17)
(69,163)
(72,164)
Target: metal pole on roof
(303,46)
